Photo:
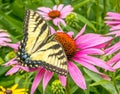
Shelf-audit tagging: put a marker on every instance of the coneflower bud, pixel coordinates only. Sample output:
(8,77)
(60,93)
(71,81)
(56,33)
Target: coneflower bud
(57,88)
(71,19)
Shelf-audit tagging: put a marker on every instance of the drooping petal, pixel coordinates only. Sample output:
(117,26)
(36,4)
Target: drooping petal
(112,49)
(12,70)
(85,64)
(14,46)
(76,75)
(47,76)
(63,80)
(117,65)
(91,67)
(114,59)
(11,62)
(57,21)
(52,30)
(97,62)
(81,32)
(37,80)
(116,33)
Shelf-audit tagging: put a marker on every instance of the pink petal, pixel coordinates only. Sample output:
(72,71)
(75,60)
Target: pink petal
(13,70)
(67,9)
(113,14)
(11,62)
(93,42)
(47,76)
(55,7)
(112,22)
(117,33)
(37,80)
(24,68)
(5,39)
(57,21)
(117,65)
(52,30)
(81,32)
(4,35)
(97,62)
(114,59)
(85,64)
(91,67)
(63,80)
(60,7)
(117,27)
(44,9)
(112,49)
(76,75)
(14,46)
(42,14)
(70,33)
(87,37)
(91,51)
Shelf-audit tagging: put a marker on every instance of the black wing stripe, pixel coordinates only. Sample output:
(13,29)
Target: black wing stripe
(58,53)
(40,21)
(44,27)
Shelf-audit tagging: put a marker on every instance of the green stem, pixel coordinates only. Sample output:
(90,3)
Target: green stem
(67,87)
(26,82)
(97,14)
(114,83)
(104,12)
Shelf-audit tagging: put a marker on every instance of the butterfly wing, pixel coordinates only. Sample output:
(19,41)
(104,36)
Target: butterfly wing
(36,31)
(52,57)
(39,48)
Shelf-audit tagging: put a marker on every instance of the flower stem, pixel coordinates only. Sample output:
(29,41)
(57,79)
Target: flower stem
(114,83)
(118,6)
(104,12)
(67,87)
(26,82)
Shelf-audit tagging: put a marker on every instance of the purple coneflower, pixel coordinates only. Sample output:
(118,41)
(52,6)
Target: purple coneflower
(113,21)
(57,14)
(5,40)
(82,50)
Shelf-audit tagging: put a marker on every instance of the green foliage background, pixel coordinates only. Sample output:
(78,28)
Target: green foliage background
(90,12)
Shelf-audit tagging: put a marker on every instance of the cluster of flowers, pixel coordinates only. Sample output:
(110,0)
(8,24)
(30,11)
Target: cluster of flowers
(82,48)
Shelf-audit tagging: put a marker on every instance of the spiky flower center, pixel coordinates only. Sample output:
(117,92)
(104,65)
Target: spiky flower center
(54,13)
(68,43)
(8,92)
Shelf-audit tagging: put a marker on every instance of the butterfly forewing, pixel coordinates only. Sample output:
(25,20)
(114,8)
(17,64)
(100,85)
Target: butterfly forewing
(37,31)
(39,48)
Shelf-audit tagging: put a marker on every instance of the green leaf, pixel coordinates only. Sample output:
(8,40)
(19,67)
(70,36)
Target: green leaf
(3,70)
(99,81)
(87,22)
(78,4)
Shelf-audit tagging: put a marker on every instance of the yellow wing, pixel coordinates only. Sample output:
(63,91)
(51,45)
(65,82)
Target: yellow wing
(39,48)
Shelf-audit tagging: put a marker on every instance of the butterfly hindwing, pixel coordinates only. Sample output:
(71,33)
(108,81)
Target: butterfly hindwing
(39,48)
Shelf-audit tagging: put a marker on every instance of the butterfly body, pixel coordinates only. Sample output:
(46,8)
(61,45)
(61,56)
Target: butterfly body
(39,47)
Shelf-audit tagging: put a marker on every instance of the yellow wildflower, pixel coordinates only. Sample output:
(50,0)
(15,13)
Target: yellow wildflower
(12,90)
